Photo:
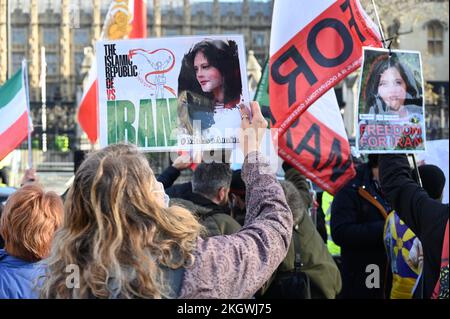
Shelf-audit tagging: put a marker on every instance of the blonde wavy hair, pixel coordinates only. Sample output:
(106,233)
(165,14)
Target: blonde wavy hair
(117,233)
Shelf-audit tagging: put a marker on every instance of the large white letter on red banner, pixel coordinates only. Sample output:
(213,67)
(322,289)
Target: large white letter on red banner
(319,48)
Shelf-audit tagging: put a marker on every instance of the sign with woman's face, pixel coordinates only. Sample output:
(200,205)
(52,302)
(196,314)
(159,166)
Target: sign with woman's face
(392,89)
(172,93)
(208,76)
(390,117)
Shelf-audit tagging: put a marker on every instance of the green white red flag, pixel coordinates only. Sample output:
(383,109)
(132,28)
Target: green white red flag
(15,121)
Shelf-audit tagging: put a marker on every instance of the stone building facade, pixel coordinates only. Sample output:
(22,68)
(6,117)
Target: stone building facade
(67,27)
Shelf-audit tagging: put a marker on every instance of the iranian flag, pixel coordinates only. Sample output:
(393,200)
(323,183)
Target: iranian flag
(124,20)
(315,45)
(14,116)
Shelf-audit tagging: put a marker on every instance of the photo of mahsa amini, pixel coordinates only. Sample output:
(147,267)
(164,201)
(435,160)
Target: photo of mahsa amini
(210,87)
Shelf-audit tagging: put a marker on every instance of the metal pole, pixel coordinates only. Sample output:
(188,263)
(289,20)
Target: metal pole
(419,181)
(379,24)
(44,100)
(416,168)
(27,95)
(442,103)
(8,35)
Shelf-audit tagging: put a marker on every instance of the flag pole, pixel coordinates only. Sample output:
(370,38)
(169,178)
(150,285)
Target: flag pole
(379,23)
(419,181)
(8,35)
(25,79)
(416,168)
(43,99)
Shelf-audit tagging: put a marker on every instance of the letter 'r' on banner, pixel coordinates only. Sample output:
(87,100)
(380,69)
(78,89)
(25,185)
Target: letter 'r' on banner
(314,46)
(323,51)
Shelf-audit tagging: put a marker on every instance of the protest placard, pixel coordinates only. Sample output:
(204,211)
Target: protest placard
(390,115)
(178,93)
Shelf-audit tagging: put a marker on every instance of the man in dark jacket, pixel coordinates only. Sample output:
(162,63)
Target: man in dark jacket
(209,199)
(357,220)
(425,216)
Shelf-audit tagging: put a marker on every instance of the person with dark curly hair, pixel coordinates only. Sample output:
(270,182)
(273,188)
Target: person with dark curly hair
(392,89)
(210,87)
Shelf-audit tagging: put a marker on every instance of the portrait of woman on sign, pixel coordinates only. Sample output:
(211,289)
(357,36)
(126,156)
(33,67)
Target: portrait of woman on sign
(391,102)
(210,91)
(392,89)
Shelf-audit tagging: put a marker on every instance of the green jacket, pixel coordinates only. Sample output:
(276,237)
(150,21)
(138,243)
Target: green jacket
(214,217)
(318,263)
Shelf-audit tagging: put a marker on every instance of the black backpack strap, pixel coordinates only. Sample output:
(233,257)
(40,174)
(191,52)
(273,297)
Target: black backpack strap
(298,260)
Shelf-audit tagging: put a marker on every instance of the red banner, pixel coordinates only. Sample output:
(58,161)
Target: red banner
(314,60)
(317,152)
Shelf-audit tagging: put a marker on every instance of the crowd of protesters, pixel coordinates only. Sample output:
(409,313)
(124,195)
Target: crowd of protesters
(225,234)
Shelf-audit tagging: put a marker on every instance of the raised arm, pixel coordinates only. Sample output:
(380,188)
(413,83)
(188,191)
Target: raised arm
(170,174)
(236,266)
(411,202)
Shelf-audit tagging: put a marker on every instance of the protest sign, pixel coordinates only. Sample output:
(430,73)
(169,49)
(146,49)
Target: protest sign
(390,115)
(178,93)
